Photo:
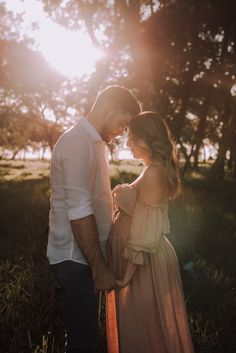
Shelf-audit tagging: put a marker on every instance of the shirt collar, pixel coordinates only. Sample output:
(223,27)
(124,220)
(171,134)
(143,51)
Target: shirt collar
(90,129)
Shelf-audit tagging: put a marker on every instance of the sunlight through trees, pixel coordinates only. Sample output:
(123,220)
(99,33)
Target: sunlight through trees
(178,57)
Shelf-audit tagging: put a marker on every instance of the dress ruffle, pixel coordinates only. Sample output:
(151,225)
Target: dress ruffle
(149,224)
(136,257)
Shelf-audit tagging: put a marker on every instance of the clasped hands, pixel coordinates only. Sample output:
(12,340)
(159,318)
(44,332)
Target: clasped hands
(106,281)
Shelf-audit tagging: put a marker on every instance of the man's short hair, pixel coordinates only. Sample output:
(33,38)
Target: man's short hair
(120,98)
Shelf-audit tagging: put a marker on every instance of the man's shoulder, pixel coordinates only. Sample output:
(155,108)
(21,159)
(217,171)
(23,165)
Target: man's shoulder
(73,138)
(76,130)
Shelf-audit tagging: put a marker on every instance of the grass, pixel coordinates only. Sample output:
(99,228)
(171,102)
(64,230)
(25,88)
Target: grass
(203,234)
(18,170)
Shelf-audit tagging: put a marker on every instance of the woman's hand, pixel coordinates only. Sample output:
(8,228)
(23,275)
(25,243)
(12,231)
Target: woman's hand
(118,188)
(115,192)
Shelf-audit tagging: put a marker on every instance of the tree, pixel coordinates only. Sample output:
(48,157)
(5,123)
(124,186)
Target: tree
(178,56)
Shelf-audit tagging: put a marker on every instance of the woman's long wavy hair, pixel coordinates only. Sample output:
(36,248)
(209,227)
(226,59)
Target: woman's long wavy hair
(153,133)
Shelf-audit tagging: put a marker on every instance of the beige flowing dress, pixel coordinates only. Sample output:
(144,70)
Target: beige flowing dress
(147,314)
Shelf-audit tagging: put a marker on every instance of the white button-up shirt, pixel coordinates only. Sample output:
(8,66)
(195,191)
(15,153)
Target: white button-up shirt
(80,186)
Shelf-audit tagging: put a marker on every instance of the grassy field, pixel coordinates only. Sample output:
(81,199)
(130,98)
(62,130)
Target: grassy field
(203,234)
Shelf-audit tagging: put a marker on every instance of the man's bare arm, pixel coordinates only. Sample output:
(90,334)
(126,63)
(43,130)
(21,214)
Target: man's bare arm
(86,235)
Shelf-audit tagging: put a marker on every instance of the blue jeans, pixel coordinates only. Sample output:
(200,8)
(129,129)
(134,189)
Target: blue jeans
(79,305)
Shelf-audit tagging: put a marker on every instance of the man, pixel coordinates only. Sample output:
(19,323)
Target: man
(81,213)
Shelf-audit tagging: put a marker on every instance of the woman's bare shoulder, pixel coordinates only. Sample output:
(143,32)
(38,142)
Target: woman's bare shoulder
(152,186)
(154,174)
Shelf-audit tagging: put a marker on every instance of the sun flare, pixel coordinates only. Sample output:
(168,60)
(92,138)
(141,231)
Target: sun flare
(69,52)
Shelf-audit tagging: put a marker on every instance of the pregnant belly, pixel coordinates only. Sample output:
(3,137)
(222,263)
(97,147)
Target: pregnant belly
(117,240)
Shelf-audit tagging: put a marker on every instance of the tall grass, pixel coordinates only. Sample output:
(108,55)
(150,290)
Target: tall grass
(203,234)
(26,290)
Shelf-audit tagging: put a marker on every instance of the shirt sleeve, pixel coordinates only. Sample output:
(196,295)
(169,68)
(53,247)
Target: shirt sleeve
(78,164)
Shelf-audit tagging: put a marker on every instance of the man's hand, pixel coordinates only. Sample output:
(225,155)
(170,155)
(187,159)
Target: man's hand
(104,279)
(86,235)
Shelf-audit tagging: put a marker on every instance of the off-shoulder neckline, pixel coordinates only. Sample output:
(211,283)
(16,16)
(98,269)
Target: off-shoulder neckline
(154,205)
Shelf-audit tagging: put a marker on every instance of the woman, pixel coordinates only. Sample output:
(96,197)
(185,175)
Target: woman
(146,314)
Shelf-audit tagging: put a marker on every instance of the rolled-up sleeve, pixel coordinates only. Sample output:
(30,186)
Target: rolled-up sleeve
(78,164)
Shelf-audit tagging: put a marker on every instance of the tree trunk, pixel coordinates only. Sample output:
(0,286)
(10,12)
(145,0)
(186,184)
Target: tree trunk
(230,161)
(178,122)
(234,170)
(187,157)
(151,3)
(217,170)
(14,155)
(43,152)
(204,153)
(2,153)
(202,126)
(24,155)
(233,154)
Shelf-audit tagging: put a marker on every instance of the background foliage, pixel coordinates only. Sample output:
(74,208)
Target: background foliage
(178,57)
